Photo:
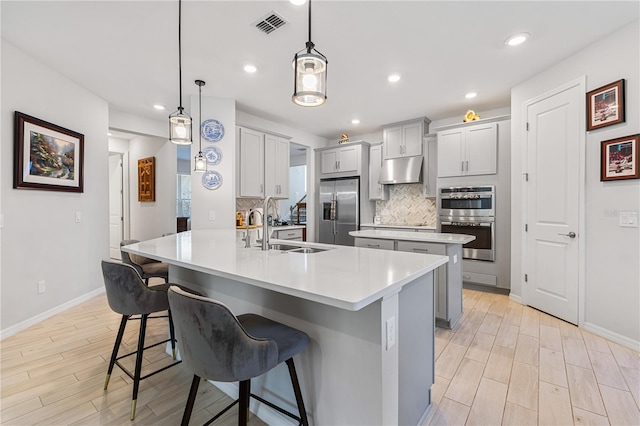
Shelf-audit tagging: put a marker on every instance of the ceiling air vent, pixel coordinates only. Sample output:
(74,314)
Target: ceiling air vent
(270,22)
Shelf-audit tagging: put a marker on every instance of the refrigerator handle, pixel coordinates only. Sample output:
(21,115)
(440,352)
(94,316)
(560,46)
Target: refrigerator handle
(334,212)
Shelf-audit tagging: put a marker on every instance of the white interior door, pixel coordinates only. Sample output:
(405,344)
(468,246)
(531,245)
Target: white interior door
(115,204)
(555,143)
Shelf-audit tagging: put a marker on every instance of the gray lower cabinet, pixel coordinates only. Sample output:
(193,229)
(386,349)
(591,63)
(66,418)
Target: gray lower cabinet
(448,280)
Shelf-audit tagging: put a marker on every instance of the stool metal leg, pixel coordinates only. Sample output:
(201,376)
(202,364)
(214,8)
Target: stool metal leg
(245,391)
(116,346)
(172,334)
(296,390)
(138,370)
(186,416)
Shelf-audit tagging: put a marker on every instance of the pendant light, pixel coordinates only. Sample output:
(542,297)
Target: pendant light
(310,74)
(200,160)
(179,121)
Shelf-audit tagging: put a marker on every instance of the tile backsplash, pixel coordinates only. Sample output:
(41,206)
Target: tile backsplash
(407,206)
(245,204)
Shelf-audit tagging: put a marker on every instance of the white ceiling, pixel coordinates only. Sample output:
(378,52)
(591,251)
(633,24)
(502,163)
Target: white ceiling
(127,52)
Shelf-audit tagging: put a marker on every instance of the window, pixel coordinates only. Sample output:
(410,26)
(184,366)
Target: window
(183,198)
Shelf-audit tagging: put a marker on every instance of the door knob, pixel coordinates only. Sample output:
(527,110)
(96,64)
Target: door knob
(570,234)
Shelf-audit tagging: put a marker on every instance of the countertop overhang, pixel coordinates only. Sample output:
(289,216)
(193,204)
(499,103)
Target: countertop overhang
(427,237)
(342,276)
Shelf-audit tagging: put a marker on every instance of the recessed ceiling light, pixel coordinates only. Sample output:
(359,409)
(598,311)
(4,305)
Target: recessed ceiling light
(517,39)
(394,77)
(297,2)
(250,68)
(355,121)
(471,95)
(158,106)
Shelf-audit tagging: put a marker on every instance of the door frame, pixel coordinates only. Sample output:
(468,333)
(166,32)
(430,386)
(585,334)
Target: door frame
(580,82)
(124,157)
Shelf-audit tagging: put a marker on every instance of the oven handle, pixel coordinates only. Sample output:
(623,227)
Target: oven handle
(469,223)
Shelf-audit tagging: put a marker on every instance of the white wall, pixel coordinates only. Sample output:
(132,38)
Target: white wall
(153,219)
(221,201)
(40,238)
(612,283)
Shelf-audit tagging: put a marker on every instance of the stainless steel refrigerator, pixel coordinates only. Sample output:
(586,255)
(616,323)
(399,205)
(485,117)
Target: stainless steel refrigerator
(339,210)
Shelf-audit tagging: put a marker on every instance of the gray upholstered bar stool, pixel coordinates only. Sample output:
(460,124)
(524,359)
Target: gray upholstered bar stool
(147,268)
(129,296)
(216,345)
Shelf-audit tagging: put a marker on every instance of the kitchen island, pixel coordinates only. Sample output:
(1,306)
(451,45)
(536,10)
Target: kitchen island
(369,315)
(448,280)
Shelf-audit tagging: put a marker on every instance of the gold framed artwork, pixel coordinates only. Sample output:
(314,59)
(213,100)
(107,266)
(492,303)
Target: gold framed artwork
(147,179)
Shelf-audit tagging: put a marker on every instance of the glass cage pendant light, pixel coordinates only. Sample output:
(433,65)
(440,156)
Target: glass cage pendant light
(180,126)
(200,160)
(310,74)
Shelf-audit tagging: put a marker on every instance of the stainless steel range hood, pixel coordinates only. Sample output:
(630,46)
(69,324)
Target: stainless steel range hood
(401,170)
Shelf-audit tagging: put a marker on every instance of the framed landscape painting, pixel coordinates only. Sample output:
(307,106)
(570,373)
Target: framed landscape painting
(605,105)
(46,156)
(619,158)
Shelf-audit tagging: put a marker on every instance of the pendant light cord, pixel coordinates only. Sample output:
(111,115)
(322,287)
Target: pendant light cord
(200,115)
(180,51)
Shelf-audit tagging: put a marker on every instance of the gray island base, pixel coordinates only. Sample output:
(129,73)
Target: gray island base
(369,315)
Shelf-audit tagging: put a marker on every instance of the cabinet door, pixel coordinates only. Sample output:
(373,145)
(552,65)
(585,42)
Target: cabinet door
(392,137)
(251,173)
(270,165)
(412,135)
(481,150)
(430,173)
(282,168)
(329,161)
(450,149)
(348,159)
(376,191)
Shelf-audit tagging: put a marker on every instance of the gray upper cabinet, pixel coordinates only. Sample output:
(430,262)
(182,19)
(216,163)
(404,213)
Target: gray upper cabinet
(404,139)
(469,150)
(376,190)
(341,161)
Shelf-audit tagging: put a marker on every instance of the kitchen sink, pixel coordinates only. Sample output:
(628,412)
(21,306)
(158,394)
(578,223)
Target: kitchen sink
(307,250)
(282,247)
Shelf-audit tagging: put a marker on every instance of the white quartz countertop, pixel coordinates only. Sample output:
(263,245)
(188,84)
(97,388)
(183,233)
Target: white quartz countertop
(426,228)
(426,237)
(342,276)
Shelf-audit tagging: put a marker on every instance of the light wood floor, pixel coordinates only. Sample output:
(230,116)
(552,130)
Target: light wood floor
(503,363)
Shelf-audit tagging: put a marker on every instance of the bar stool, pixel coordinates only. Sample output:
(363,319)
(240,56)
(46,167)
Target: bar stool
(147,268)
(216,345)
(128,296)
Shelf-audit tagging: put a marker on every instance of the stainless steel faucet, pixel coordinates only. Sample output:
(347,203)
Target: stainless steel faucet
(265,224)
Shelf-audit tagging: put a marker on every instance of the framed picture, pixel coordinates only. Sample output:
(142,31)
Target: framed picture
(619,158)
(46,156)
(147,179)
(605,105)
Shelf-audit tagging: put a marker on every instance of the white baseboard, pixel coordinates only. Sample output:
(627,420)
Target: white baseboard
(614,337)
(262,411)
(515,298)
(10,331)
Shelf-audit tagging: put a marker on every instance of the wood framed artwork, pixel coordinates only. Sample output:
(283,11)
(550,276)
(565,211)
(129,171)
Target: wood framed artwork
(46,156)
(605,105)
(147,179)
(619,158)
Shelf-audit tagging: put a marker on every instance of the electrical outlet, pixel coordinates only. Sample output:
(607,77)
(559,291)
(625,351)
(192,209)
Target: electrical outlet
(628,219)
(391,332)
(78,217)
(455,259)
(212,215)
(41,287)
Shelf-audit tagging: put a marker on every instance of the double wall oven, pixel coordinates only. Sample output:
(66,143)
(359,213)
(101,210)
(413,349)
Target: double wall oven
(470,210)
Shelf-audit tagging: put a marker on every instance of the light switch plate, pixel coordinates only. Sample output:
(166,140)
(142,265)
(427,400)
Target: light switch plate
(78,217)
(391,332)
(628,219)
